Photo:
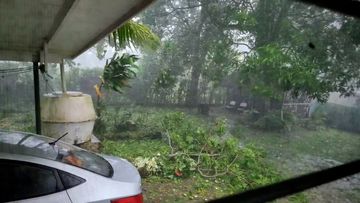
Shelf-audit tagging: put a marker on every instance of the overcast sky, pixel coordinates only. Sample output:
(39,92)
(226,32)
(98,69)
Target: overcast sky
(89,59)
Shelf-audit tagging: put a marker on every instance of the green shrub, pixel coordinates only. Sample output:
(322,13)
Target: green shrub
(100,122)
(129,123)
(272,121)
(340,117)
(315,122)
(251,115)
(123,122)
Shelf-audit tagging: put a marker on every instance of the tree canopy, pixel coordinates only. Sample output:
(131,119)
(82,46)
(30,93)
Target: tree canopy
(214,51)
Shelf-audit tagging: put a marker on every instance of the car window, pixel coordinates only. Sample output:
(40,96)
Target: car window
(19,181)
(38,146)
(80,158)
(70,180)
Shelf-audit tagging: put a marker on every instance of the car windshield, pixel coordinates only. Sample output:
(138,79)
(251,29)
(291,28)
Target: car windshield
(38,146)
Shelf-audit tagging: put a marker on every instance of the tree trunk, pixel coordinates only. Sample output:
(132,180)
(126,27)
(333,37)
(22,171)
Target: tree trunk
(197,58)
(211,96)
(192,93)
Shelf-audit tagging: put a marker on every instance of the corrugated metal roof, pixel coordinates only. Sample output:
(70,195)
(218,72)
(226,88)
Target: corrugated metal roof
(69,27)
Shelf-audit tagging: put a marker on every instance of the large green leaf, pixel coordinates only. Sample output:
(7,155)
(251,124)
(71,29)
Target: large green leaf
(135,34)
(118,71)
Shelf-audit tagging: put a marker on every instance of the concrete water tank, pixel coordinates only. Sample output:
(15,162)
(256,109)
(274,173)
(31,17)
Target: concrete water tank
(70,112)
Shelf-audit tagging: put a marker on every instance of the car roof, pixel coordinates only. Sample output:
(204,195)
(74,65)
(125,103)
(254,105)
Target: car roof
(27,144)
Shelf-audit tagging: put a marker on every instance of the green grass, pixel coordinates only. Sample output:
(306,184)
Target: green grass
(161,189)
(284,150)
(18,122)
(288,152)
(326,143)
(130,149)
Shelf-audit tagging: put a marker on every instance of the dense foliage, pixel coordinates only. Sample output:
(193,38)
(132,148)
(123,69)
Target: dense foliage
(330,113)
(118,71)
(189,146)
(208,54)
(276,121)
(249,50)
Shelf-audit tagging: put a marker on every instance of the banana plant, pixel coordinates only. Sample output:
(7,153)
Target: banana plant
(117,73)
(134,34)
(131,34)
(120,69)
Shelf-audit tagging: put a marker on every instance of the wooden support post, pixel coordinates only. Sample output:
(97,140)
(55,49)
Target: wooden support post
(37,97)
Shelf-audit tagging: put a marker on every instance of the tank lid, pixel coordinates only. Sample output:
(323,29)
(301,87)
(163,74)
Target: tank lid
(68,93)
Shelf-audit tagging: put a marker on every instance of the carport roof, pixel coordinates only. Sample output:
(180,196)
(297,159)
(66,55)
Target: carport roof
(68,27)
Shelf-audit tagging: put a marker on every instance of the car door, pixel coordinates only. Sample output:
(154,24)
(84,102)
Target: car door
(28,182)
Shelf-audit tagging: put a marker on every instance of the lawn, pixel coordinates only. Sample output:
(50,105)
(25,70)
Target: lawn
(265,157)
(324,144)
(157,188)
(161,189)
(292,153)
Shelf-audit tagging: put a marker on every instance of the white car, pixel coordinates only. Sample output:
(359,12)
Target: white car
(34,168)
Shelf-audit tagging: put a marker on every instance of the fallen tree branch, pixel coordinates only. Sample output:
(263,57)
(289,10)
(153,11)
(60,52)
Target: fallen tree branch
(216,173)
(211,176)
(192,154)
(169,141)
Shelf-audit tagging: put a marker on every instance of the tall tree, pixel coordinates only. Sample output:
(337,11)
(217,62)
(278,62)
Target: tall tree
(300,50)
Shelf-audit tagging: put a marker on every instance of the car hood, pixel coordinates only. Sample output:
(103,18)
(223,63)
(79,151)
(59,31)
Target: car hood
(124,171)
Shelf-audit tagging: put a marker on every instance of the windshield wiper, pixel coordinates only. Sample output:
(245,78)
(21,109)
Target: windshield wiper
(54,142)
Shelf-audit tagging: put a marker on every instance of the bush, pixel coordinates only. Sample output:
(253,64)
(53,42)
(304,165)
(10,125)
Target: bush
(100,122)
(99,127)
(340,117)
(272,121)
(315,122)
(123,122)
(129,123)
(251,115)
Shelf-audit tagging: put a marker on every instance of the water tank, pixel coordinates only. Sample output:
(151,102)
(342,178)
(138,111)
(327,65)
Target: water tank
(70,112)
